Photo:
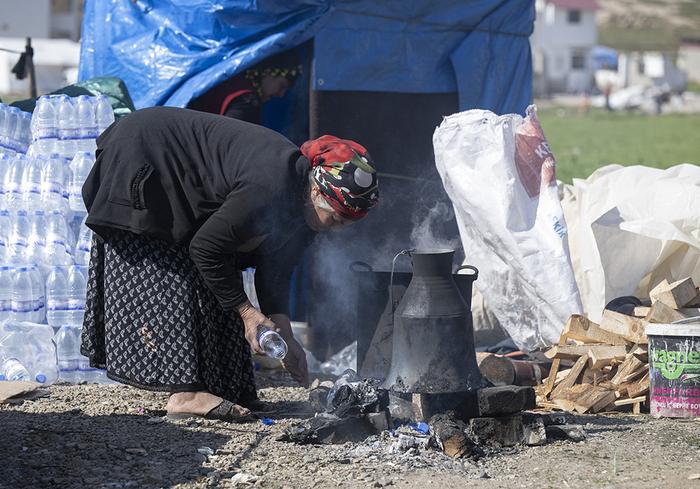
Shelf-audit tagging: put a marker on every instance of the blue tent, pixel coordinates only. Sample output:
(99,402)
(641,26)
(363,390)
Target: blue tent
(170,51)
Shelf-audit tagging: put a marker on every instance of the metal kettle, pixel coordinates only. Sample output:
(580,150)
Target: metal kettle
(433,339)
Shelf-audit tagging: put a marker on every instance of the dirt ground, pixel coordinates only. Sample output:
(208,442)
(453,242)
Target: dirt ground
(112,436)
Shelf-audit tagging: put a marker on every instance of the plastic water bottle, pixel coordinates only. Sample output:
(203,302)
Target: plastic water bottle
(18,241)
(77,290)
(12,369)
(36,241)
(272,343)
(5,228)
(67,341)
(80,168)
(44,120)
(27,299)
(53,181)
(5,162)
(57,251)
(31,183)
(84,245)
(22,135)
(67,126)
(57,292)
(12,184)
(5,292)
(11,121)
(87,125)
(32,344)
(104,115)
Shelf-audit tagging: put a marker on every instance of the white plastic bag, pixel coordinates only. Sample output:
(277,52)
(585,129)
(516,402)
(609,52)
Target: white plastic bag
(499,173)
(630,228)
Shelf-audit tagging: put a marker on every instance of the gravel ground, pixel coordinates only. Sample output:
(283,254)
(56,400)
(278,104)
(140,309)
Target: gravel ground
(112,436)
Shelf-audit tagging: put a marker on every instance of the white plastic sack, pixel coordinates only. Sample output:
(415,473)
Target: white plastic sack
(632,227)
(499,173)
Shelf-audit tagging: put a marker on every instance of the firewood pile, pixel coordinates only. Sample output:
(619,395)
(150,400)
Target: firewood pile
(605,367)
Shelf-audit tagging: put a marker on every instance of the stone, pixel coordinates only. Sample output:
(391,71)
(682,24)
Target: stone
(508,431)
(506,399)
(557,418)
(573,432)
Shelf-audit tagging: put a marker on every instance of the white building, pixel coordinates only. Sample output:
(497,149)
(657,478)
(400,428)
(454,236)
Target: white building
(565,32)
(54,26)
(689,58)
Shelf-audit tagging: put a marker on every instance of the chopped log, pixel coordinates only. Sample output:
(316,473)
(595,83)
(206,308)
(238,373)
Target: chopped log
(600,356)
(631,365)
(582,329)
(629,327)
(594,399)
(497,370)
(641,352)
(639,387)
(573,376)
(661,313)
(451,437)
(593,376)
(676,295)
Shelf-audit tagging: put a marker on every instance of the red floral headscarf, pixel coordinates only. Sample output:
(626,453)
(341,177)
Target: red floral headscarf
(343,171)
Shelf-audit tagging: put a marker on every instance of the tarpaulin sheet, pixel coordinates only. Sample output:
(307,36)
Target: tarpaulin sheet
(169,52)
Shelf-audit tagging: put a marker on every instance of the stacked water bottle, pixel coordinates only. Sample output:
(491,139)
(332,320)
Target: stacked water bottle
(44,243)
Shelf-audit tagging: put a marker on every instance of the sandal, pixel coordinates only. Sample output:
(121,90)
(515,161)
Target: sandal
(225,411)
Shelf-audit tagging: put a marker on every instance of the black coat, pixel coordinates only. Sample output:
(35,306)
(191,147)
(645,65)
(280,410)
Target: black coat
(234,192)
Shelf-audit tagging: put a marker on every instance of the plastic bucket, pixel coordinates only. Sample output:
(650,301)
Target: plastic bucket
(674,369)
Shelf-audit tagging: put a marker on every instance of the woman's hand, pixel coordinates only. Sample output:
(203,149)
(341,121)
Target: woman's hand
(252,318)
(295,361)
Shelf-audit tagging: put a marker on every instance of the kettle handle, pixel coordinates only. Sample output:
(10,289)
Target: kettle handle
(469,267)
(391,281)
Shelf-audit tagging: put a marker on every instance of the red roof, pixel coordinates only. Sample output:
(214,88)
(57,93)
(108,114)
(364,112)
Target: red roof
(576,4)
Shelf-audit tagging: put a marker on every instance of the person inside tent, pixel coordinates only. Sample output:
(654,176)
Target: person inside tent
(242,96)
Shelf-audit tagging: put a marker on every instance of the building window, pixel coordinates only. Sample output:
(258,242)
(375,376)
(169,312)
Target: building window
(578,61)
(574,16)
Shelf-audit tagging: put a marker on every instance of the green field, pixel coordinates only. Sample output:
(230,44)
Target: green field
(583,143)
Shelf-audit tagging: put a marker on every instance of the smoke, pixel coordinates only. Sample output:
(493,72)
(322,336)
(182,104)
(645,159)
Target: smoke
(427,224)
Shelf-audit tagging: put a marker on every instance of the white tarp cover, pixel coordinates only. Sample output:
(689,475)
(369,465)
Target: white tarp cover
(630,228)
(499,173)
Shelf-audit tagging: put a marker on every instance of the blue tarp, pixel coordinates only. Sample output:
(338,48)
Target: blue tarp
(170,51)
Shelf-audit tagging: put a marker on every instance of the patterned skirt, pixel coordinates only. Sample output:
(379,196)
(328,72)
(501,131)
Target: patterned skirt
(151,322)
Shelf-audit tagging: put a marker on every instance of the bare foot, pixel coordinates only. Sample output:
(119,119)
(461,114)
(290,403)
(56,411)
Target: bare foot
(197,403)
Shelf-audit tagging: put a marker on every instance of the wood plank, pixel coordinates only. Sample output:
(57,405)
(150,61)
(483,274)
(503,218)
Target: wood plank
(676,295)
(689,312)
(561,375)
(637,408)
(573,376)
(554,369)
(603,355)
(629,327)
(582,329)
(633,400)
(662,313)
